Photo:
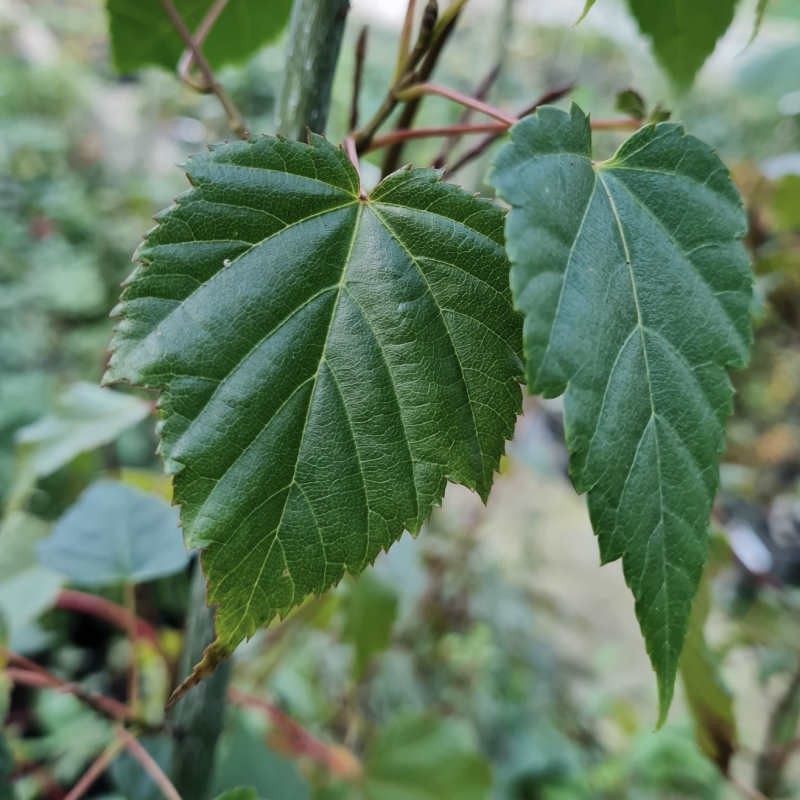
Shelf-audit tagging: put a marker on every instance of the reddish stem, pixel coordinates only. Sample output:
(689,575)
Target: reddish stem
(99,607)
(337,760)
(627,124)
(148,765)
(404,134)
(106,706)
(96,769)
(420,89)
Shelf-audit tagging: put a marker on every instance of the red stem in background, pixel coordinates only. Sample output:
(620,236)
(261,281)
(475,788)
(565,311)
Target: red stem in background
(100,608)
(148,765)
(336,760)
(405,134)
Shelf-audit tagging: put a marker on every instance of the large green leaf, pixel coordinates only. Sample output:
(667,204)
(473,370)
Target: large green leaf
(142,34)
(328,362)
(636,293)
(684,32)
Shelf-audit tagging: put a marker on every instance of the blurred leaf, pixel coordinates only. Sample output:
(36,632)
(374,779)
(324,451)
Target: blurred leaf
(710,701)
(683,33)
(421,757)
(149,481)
(370,610)
(586,9)
(6,769)
(27,589)
(240,793)
(85,417)
(141,32)
(242,757)
(73,735)
(785,204)
(761,9)
(632,103)
(115,534)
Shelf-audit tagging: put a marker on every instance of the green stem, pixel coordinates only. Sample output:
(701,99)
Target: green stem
(198,717)
(314,42)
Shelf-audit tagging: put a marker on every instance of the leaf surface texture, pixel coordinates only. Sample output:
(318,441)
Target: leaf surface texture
(327,363)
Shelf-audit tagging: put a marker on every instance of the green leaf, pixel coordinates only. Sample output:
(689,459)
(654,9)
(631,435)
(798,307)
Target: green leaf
(709,699)
(684,33)
(85,416)
(243,757)
(27,589)
(420,757)
(370,609)
(586,9)
(115,534)
(761,10)
(240,793)
(328,362)
(636,293)
(142,34)
(630,102)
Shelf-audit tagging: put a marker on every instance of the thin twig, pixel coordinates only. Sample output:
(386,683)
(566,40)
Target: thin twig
(148,765)
(95,770)
(106,706)
(363,136)
(335,759)
(350,150)
(481,147)
(420,89)
(445,26)
(481,93)
(234,117)
(133,668)
(404,42)
(358,71)
(99,607)
(744,790)
(186,61)
(624,124)
(426,133)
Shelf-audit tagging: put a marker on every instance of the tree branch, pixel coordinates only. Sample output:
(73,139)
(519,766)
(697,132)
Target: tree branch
(234,117)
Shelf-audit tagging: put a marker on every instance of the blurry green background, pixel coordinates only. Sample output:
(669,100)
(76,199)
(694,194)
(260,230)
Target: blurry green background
(497,621)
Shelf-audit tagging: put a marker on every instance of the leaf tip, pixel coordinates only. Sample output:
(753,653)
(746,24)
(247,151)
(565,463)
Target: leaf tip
(213,656)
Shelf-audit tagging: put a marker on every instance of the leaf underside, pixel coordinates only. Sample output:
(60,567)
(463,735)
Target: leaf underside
(684,32)
(327,363)
(635,291)
(142,33)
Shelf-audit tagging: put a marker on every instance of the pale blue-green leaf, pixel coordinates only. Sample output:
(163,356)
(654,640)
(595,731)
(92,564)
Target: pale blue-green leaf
(115,534)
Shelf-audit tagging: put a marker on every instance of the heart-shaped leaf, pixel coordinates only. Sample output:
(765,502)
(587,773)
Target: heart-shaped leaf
(636,294)
(328,363)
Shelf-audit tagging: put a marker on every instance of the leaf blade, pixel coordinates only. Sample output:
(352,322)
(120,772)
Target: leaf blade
(683,34)
(632,281)
(142,34)
(350,372)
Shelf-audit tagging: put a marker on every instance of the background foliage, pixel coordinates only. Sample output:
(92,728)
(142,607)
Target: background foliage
(492,644)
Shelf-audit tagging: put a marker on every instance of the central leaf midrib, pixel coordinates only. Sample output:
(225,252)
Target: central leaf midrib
(653,416)
(339,287)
